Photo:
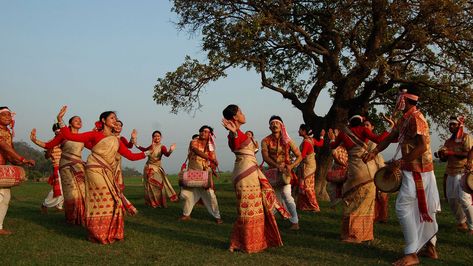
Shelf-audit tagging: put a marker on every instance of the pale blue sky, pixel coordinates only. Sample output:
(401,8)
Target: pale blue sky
(106,55)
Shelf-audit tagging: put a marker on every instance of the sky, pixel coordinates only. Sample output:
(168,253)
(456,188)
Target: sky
(95,56)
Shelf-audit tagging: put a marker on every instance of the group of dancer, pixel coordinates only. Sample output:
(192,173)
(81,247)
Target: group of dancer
(93,191)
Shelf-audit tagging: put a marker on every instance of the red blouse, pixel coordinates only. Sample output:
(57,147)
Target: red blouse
(235,142)
(59,139)
(93,137)
(362,132)
(127,143)
(164,150)
(307,148)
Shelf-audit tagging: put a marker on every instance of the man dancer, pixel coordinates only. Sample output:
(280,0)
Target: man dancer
(200,157)
(276,149)
(418,198)
(455,150)
(7,155)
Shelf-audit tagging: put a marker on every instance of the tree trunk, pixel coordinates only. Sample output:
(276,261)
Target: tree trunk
(324,162)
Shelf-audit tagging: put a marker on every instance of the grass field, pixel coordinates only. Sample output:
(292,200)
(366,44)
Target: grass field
(155,237)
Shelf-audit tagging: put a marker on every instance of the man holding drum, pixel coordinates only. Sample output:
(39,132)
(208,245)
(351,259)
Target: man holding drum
(276,150)
(455,150)
(418,198)
(7,155)
(200,157)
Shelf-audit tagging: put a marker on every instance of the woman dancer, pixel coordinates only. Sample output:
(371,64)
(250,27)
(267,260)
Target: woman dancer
(104,205)
(255,228)
(156,183)
(306,197)
(71,170)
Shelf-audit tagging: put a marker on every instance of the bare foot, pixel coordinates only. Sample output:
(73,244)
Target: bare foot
(462,227)
(294,227)
(5,232)
(409,259)
(219,221)
(429,251)
(184,218)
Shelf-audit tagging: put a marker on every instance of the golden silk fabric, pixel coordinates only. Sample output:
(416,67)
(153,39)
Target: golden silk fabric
(104,206)
(72,170)
(156,183)
(413,123)
(255,228)
(455,164)
(278,151)
(306,196)
(358,214)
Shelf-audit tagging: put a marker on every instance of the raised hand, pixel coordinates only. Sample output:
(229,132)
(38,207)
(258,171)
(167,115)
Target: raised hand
(229,125)
(61,113)
(33,135)
(173,147)
(389,119)
(331,134)
(134,135)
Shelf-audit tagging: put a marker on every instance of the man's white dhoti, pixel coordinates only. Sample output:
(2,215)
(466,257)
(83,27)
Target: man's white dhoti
(191,196)
(4,201)
(417,233)
(459,201)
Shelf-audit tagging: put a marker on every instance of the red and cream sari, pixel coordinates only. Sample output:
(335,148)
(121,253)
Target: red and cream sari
(306,197)
(104,206)
(71,169)
(255,228)
(156,183)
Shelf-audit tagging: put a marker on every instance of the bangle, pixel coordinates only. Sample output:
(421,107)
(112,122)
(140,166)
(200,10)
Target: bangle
(22,159)
(61,124)
(321,137)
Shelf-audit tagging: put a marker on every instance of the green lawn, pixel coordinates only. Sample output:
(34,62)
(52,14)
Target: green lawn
(155,236)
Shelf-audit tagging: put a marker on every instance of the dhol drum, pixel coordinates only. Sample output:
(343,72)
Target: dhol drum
(388,178)
(466,182)
(194,178)
(277,178)
(11,175)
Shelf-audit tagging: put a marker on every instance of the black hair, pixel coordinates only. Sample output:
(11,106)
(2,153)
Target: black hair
(121,123)
(273,117)
(230,111)
(356,121)
(252,134)
(156,131)
(105,115)
(195,136)
(4,107)
(72,118)
(56,127)
(206,127)
(306,128)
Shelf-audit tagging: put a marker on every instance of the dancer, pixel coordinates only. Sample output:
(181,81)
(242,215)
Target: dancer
(276,150)
(104,205)
(418,199)
(306,196)
(455,150)
(156,183)
(255,228)
(199,159)
(358,191)
(71,170)
(8,154)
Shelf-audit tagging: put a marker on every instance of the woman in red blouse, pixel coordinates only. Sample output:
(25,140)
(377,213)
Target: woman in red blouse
(71,170)
(156,183)
(306,197)
(358,191)
(104,207)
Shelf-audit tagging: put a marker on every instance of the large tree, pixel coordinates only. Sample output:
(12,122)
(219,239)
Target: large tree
(359,50)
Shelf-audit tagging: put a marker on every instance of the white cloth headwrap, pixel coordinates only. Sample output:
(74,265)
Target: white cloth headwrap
(285,137)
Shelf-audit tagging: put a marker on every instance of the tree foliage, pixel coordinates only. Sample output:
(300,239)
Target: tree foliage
(359,50)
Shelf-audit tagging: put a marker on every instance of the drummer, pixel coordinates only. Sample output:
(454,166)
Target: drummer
(201,156)
(8,154)
(418,198)
(455,150)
